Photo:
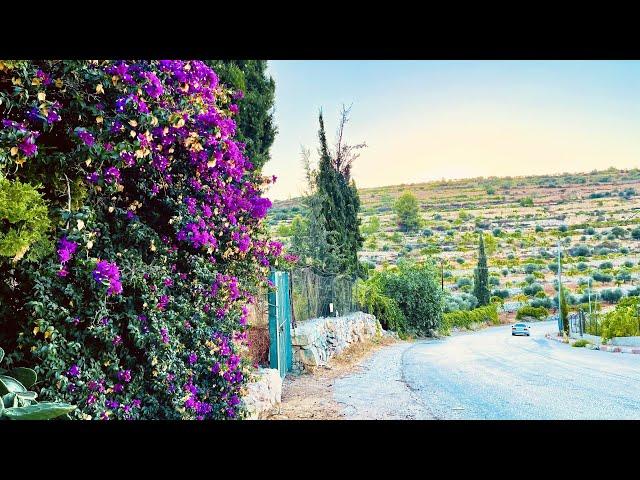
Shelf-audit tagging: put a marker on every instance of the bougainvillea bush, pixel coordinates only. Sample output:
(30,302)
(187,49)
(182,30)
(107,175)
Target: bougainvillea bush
(138,309)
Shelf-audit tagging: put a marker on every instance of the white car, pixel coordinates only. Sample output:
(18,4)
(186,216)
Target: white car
(520,329)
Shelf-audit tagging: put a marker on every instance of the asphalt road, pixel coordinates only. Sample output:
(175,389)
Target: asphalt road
(491,375)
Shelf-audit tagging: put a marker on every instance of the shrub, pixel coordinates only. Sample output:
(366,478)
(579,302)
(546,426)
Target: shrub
(582,266)
(463,282)
(623,276)
(623,321)
(407,212)
(159,232)
(611,295)
(605,265)
(634,292)
(530,268)
(24,211)
(500,293)
(590,231)
(563,228)
(581,343)
(370,296)
(464,319)
(462,301)
(416,289)
(531,290)
(539,229)
(532,312)
(635,233)
(545,302)
(602,277)
(494,281)
(579,251)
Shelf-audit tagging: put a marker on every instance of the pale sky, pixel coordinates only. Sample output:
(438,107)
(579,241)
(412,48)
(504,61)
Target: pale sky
(427,120)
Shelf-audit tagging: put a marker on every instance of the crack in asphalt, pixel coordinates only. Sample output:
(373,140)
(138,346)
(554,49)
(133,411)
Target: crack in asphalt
(413,391)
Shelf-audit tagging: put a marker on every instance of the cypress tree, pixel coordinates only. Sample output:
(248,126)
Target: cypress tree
(481,276)
(338,207)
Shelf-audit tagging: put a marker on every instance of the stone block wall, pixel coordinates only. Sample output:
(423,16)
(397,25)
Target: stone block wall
(264,393)
(315,341)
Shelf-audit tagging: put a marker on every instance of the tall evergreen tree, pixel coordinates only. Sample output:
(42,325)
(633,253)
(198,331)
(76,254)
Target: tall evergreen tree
(340,200)
(481,276)
(332,227)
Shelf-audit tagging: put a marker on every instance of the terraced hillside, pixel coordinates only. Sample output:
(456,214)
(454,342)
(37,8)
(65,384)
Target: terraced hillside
(594,216)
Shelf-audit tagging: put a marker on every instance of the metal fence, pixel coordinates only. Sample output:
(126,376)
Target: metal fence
(582,322)
(315,295)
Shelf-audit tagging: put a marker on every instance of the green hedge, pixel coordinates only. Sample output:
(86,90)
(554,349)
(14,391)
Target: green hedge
(534,312)
(464,319)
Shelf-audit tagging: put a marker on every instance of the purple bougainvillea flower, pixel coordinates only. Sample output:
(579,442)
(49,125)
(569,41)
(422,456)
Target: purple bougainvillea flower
(53,116)
(106,272)
(124,376)
(93,177)
(66,249)
(28,147)
(165,335)
(193,358)
(85,136)
(73,371)
(163,302)
(111,175)
(118,388)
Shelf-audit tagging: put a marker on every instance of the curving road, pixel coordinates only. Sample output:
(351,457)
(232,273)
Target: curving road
(491,375)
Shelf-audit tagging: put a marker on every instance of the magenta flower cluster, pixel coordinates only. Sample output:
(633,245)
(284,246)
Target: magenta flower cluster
(66,249)
(109,274)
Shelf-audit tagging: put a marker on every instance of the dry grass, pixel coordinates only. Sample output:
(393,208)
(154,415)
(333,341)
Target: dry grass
(309,396)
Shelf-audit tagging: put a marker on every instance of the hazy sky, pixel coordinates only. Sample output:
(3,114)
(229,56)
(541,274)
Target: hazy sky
(426,120)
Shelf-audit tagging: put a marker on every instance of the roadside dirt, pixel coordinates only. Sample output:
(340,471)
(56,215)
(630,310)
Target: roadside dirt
(308,396)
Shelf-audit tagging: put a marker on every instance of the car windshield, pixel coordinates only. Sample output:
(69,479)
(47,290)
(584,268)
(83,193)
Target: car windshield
(520,325)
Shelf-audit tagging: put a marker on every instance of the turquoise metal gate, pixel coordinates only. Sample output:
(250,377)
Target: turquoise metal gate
(280,352)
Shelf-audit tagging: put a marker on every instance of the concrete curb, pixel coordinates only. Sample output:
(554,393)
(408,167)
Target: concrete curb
(604,348)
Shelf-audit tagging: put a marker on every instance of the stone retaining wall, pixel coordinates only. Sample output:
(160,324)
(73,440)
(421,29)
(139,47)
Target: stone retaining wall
(263,393)
(315,341)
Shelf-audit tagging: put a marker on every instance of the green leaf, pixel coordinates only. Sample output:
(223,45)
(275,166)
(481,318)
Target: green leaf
(8,384)
(7,399)
(25,398)
(40,411)
(25,376)
(1,354)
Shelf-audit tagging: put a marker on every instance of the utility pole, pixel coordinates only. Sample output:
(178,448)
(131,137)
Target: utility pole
(589,294)
(442,274)
(560,322)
